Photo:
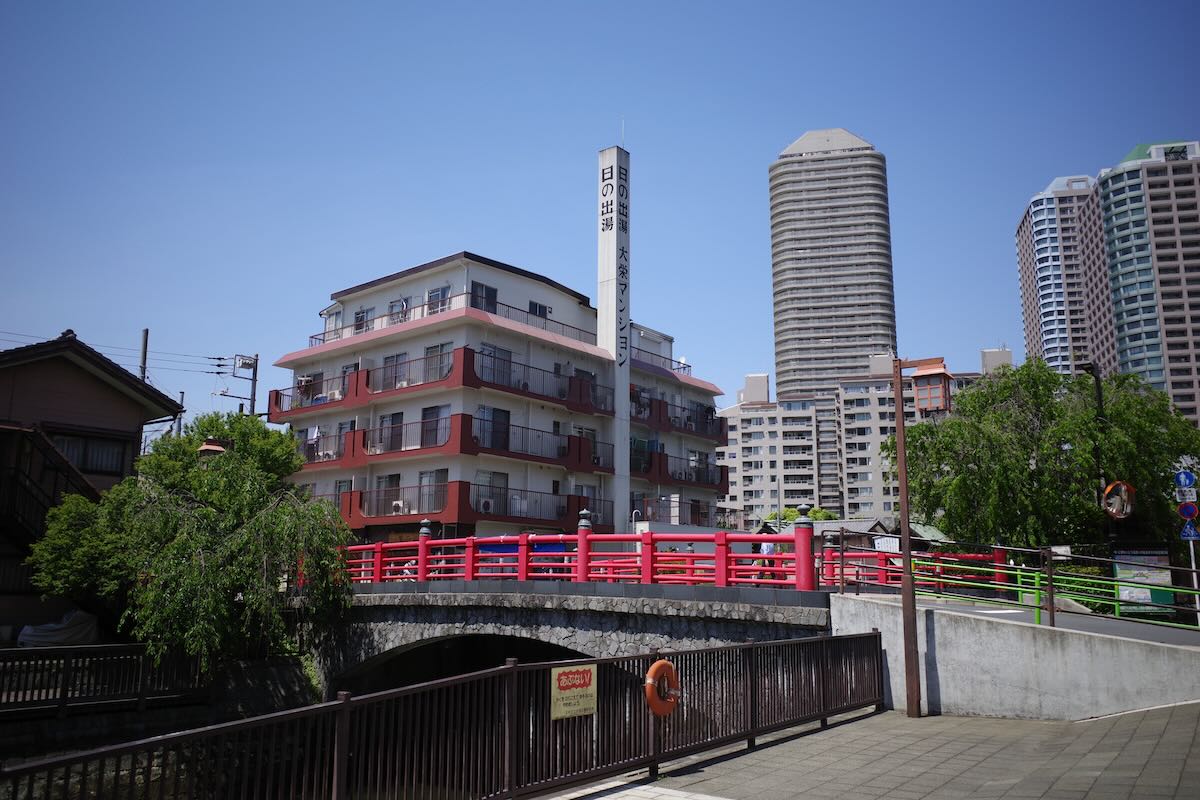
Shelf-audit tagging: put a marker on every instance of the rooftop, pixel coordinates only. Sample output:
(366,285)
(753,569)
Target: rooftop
(828,140)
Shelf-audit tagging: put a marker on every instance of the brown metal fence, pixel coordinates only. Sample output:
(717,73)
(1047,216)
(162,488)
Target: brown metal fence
(483,735)
(65,677)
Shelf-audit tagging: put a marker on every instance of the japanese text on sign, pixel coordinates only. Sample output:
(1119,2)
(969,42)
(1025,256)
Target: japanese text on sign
(572,691)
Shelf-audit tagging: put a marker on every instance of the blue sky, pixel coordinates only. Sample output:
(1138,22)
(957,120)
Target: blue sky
(215,171)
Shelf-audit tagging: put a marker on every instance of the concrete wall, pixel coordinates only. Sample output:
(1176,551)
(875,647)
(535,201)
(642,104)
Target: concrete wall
(973,665)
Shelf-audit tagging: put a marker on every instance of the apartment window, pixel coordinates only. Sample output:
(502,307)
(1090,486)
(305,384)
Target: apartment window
(398,310)
(539,310)
(437,300)
(483,297)
(94,454)
(363,319)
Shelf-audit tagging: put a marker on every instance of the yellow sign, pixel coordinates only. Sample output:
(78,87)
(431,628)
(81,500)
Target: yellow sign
(572,691)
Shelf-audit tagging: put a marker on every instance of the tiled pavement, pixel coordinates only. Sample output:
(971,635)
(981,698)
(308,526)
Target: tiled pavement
(1147,754)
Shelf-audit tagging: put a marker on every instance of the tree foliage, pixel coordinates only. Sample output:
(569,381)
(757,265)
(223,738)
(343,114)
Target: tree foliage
(791,514)
(1015,462)
(196,555)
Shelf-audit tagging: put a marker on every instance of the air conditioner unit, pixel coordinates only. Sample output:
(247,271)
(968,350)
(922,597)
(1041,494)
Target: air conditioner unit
(401,383)
(374,448)
(485,505)
(595,461)
(304,380)
(691,426)
(334,394)
(328,455)
(399,507)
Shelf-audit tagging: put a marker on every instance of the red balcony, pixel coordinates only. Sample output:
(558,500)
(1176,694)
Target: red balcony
(459,502)
(705,474)
(323,452)
(686,512)
(696,421)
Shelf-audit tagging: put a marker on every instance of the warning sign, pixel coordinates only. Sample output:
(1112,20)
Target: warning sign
(572,691)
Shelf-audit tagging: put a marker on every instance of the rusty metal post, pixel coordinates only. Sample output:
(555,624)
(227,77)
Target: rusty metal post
(908,597)
(1048,565)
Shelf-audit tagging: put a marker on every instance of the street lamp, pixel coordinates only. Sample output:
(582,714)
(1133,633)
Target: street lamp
(908,594)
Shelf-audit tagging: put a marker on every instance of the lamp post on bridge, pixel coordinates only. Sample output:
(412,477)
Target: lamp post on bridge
(908,594)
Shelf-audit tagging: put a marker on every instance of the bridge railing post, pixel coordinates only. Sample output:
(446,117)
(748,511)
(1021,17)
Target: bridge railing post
(583,547)
(523,557)
(648,557)
(805,566)
(720,558)
(377,563)
(469,552)
(423,551)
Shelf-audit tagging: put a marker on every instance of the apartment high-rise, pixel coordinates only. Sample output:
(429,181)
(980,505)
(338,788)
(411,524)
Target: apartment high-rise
(1064,277)
(1106,266)
(831,261)
(1152,242)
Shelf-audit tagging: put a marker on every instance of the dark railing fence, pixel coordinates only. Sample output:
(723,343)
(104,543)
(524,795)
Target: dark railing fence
(63,677)
(483,735)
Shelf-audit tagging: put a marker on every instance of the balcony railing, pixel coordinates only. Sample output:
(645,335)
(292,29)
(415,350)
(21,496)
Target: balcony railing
(602,455)
(694,419)
(639,406)
(314,393)
(409,436)
(413,372)
(516,439)
(431,308)
(684,469)
(639,462)
(693,512)
(500,501)
(601,511)
(418,311)
(428,499)
(646,357)
(533,320)
(322,448)
(513,375)
(602,397)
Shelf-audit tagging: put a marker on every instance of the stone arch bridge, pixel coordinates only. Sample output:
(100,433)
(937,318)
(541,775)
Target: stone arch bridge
(593,619)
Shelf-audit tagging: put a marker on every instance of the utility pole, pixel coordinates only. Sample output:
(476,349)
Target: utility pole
(250,363)
(145,346)
(253,383)
(908,594)
(179,418)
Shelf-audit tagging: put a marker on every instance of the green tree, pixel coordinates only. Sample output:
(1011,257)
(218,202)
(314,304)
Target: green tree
(790,515)
(1014,463)
(195,554)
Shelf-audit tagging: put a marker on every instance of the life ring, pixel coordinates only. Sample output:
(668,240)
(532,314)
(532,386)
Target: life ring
(662,674)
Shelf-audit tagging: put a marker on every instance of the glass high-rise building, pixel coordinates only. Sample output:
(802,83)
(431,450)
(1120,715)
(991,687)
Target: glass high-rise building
(831,261)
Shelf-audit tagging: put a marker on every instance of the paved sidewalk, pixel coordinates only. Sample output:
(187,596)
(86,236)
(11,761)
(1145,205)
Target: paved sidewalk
(1148,754)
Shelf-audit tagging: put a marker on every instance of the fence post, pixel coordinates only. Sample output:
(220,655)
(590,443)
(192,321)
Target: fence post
(513,728)
(469,558)
(805,577)
(583,547)
(750,695)
(341,746)
(879,707)
(423,551)
(64,687)
(143,674)
(720,558)
(1048,564)
(654,725)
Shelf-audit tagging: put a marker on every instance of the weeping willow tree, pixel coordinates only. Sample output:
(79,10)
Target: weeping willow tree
(1015,462)
(202,555)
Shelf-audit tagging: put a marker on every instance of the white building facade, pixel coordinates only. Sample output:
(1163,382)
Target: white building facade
(473,394)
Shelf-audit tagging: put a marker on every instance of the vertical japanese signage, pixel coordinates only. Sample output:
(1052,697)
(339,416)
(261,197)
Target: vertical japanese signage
(614,329)
(572,691)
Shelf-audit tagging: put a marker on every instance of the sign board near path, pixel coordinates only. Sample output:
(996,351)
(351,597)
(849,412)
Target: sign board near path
(1190,532)
(1185,479)
(1185,495)
(572,691)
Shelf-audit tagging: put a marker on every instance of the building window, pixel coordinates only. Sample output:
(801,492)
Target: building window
(539,310)
(93,454)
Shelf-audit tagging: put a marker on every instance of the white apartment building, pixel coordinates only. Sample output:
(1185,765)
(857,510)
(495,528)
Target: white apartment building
(775,457)
(473,393)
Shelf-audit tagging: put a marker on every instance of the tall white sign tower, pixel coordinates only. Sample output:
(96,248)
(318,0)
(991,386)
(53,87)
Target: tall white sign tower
(613,330)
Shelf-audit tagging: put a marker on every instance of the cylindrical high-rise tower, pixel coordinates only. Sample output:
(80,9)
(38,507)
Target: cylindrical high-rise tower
(831,261)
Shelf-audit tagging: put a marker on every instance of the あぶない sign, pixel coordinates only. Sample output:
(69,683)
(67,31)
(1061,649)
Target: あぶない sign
(572,691)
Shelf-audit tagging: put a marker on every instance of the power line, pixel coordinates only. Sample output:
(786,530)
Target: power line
(119,347)
(132,367)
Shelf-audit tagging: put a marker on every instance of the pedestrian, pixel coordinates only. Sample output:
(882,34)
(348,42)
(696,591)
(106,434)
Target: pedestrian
(767,550)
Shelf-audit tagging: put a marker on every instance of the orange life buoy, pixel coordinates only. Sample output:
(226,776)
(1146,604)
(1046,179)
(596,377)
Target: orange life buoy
(662,687)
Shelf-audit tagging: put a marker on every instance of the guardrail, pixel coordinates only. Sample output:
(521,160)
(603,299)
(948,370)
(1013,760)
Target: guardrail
(60,678)
(1025,578)
(482,735)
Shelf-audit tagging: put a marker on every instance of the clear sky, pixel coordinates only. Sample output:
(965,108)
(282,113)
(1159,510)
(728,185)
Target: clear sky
(214,171)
